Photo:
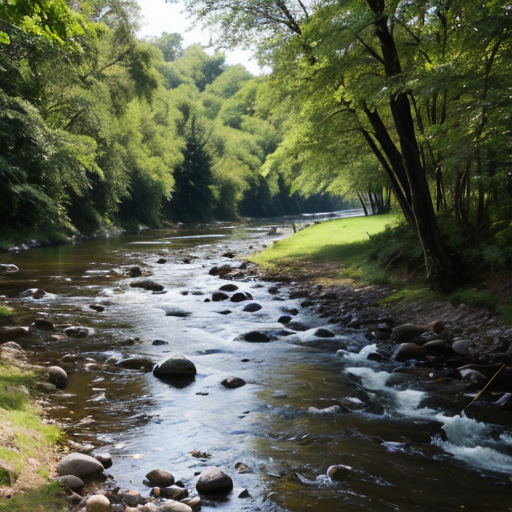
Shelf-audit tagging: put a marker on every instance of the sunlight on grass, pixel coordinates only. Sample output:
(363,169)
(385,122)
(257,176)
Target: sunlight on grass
(340,240)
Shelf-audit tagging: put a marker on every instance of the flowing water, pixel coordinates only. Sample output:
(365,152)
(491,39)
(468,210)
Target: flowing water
(309,402)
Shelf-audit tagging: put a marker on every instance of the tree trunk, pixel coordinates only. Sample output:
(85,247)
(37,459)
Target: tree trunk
(440,273)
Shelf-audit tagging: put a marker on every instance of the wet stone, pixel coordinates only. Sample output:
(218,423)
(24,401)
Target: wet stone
(160,478)
(324,333)
(256,337)
(135,272)
(284,319)
(252,307)
(339,472)
(180,313)
(76,331)
(240,297)
(137,363)
(97,307)
(213,480)
(105,459)
(230,287)
(298,326)
(175,366)
(219,296)
(233,382)
(147,284)
(43,324)
(157,343)
(57,376)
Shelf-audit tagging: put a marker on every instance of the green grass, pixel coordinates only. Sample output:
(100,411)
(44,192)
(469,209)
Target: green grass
(50,498)
(342,240)
(25,436)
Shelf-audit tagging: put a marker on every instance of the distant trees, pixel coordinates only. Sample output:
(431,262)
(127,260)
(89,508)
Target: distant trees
(98,128)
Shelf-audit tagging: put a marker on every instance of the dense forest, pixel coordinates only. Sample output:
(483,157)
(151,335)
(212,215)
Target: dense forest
(404,102)
(99,128)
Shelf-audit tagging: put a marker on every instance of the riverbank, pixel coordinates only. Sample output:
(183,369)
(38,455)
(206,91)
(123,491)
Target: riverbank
(328,265)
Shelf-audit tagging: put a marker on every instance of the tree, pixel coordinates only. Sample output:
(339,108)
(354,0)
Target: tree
(332,45)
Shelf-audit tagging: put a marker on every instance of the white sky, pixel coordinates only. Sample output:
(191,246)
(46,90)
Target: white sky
(159,16)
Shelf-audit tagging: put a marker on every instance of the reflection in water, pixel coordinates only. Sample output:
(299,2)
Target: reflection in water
(306,405)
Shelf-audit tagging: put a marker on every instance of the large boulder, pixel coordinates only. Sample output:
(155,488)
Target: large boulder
(78,464)
(213,480)
(175,366)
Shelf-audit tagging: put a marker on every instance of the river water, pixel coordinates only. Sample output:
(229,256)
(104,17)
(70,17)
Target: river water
(309,402)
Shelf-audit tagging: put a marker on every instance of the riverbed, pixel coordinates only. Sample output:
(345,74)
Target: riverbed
(309,402)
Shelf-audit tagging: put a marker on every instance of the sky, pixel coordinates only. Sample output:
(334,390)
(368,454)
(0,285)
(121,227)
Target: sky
(159,16)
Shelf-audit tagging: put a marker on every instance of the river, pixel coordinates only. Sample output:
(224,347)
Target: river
(309,402)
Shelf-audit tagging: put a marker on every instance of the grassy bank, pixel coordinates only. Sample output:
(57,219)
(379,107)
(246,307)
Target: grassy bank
(27,445)
(342,246)
(375,250)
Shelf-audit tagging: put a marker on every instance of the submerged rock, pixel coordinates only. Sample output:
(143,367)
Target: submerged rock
(76,331)
(180,313)
(137,363)
(12,332)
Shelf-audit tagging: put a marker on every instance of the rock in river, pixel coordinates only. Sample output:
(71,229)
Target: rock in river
(214,480)
(147,284)
(136,363)
(256,337)
(57,376)
(175,366)
(160,478)
(233,382)
(78,464)
(252,307)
